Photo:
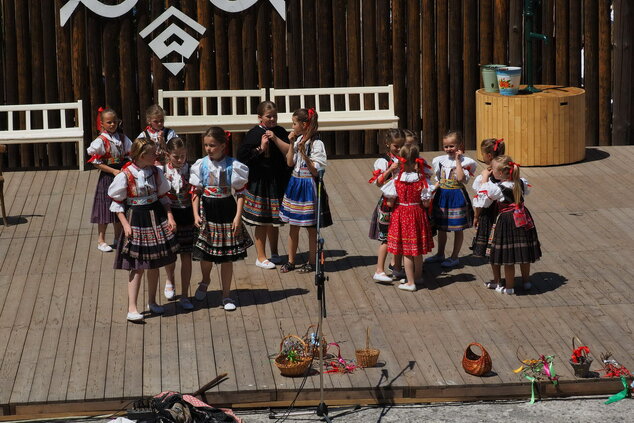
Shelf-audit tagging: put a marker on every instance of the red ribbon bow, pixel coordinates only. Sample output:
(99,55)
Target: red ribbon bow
(401,159)
(98,121)
(311,113)
(375,175)
(227,134)
(497,143)
(513,164)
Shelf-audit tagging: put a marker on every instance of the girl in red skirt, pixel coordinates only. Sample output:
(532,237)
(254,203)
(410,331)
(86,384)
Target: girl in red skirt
(410,231)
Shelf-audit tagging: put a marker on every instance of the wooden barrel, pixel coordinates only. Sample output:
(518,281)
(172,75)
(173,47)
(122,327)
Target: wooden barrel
(540,129)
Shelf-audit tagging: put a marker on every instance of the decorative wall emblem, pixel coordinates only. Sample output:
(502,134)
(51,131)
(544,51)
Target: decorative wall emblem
(181,42)
(96,6)
(235,6)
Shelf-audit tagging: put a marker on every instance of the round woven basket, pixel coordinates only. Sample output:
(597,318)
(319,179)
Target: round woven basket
(313,347)
(367,357)
(293,368)
(581,369)
(474,364)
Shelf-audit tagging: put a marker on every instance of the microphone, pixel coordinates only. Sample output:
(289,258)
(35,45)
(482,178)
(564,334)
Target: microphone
(320,173)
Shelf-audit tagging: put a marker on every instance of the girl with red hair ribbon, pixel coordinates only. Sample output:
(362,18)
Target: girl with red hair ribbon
(108,153)
(409,233)
(513,239)
(385,168)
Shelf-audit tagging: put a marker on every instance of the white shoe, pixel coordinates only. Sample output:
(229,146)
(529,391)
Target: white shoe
(201,292)
(276,259)
(156,309)
(403,281)
(169,293)
(381,277)
(266,264)
(499,288)
(103,247)
(135,317)
(407,287)
(228,304)
(508,291)
(435,259)
(185,303)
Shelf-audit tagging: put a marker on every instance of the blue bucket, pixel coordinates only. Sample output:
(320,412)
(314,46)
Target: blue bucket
(509,79)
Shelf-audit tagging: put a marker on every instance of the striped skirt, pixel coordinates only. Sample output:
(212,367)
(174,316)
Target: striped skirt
(452,210)
(101,213)
(152,244)
(215,240)
(485,223)
(380,222)
(509,244)
(300,204)
(185,233)
(262,202)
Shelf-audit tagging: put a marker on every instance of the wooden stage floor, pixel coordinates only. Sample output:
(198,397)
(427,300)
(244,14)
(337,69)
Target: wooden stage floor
(65,343)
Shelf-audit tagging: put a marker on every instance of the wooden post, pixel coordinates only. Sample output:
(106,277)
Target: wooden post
(24,71)
(574,43)
(470,72)
(399,19)
(353,19)
(37,76)
(249,53)
(548,49)
(325,57)
(95,69)
(65,83)
(11,70)
(561,42)
(516,37)
(79,71)
(430,112)
(339,63)
(413,66)
(442,65)
(159,73)
(500,31)
(264,45)
(222,53)
(485,19)
(206,47)
(455,65)
(605,73)
(127,79)
(591,69)
(143,63)
(294,43)
(235,66)
(623,75)
(368,12)
(278,32)
(309,48)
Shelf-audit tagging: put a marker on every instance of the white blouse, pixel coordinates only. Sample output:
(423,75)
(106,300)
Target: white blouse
(491,192)
(468,166)
(317,154)
(177,178)
(155,134)
(146,184)
(120,145)
(389,189)
(239,174)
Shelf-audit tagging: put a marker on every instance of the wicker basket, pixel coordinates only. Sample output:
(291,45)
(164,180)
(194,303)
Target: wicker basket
(581,369)
(294,368)
(313,347)
(474,364)
(367,357)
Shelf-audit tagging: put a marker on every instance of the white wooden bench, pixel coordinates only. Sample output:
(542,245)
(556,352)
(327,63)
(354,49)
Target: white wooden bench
(192,112)
(340,109)
(47,133)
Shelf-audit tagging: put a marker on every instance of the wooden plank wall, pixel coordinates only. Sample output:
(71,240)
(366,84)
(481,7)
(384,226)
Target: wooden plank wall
(429,50)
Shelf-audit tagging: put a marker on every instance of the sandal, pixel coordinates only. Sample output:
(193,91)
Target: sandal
(287,267)
(306,268)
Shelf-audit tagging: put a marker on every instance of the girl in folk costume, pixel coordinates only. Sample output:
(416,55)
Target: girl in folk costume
(264,150)
(156,131)
(385,168)
(222,237)
(513,239)
(299,207)
(148,243)
(109,151)
(451,211)
(176,172)
(484,217)
(410,231)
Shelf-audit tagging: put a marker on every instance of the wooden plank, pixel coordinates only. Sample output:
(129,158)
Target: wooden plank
(429,112)
(605,72)
(442,66)
(591,69)
(355,74)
